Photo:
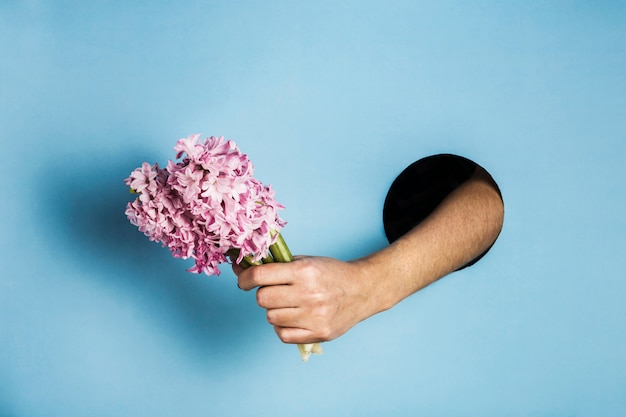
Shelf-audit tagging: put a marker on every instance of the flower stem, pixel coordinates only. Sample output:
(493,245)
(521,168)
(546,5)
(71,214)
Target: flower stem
(280,251)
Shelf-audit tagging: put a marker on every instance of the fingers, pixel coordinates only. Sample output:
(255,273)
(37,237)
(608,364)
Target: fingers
(278,296)
(294,335)
(286,317)
(297,335)
(297,325)
(302,300)
(264,275)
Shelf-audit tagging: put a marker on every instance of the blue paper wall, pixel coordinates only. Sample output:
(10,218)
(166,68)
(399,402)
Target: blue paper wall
(331,100)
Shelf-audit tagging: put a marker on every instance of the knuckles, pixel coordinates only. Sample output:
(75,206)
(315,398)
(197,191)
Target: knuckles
(307,270)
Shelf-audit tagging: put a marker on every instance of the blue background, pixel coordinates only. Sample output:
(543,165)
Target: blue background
(331,100)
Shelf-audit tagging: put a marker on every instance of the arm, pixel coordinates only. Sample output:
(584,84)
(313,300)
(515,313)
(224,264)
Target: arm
(318,299)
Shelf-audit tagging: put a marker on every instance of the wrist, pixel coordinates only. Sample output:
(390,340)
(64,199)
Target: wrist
(375,284)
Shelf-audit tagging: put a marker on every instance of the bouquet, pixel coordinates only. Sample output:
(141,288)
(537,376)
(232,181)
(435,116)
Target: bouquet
(209,207)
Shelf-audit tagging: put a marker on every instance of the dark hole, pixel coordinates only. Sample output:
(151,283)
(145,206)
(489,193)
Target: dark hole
(420,188)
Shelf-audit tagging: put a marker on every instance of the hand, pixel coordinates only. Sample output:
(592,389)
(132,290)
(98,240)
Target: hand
(312,299)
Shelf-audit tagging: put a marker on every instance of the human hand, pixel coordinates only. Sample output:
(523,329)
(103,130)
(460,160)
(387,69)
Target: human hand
(312,299)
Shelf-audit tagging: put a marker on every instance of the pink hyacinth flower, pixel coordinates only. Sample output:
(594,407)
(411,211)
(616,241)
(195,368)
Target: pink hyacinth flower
(205,204)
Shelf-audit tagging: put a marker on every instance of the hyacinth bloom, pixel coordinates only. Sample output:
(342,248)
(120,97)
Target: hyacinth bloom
(209,207)
(205,205)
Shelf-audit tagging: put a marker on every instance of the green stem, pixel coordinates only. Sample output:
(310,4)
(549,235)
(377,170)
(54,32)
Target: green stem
(280,251)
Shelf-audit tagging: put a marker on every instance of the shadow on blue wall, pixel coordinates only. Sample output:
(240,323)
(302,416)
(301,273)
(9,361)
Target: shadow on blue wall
(84,203)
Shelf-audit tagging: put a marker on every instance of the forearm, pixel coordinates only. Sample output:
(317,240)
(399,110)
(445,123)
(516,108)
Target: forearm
(462,227)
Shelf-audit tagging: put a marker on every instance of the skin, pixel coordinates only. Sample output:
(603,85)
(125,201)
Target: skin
(317,299)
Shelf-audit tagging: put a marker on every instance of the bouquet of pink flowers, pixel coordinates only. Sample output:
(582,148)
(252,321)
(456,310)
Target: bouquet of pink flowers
(209,207)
